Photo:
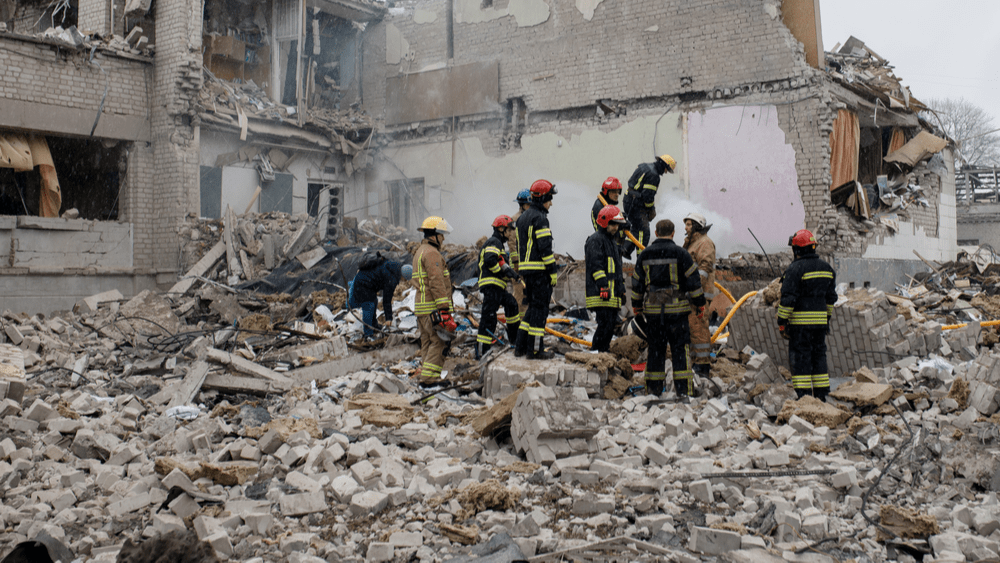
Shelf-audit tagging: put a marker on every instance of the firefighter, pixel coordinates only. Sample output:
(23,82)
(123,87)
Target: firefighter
(808,293)
(375,274)
(639,200)
(605,285)
(702,251)
(433,305)
(517,288)
(665,286)
(494,273)
(537,268)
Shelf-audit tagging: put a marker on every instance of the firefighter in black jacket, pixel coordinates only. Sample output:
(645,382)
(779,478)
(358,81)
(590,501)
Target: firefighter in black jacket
(639,201)
(664,280)
(808,293)
(537,267)
(605,284)
(494,272)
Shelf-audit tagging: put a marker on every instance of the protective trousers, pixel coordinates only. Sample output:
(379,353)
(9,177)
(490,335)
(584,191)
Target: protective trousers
(537,294)
(807,358)
(368,309)
(672,330)
(606,317)
(493,298)
(432,348)
(701,340)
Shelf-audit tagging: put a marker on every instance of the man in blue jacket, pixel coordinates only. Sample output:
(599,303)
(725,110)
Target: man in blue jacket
(375,275)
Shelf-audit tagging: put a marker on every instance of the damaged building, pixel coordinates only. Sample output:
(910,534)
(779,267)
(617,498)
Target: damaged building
(125,119)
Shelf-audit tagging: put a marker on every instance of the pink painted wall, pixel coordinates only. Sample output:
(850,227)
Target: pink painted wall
(741,168)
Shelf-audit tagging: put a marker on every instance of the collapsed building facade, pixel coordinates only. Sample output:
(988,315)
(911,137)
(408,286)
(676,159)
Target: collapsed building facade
(156,112)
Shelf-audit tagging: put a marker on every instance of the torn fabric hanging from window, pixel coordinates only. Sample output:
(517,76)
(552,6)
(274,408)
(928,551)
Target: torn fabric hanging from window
(23,153)
(897,141)
(845,142)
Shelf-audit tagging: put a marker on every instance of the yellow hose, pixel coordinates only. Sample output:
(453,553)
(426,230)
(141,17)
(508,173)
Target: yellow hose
(725,292)
(735,308)
(579,341)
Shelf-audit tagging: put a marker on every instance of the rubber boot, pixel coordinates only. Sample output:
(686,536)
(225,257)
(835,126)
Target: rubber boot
(483,350)
(654,387)
(512,332)
(821,393)
(803,392)
(681,389)
(525,344)
(703,370)
(541,353)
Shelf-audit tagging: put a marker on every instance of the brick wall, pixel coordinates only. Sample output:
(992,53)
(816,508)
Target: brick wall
(33,71)
(177,80)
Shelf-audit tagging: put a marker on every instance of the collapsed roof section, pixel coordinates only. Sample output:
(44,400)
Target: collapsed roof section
(289,70)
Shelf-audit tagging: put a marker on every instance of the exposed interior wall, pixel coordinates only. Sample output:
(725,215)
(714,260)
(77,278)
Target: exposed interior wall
(803,19)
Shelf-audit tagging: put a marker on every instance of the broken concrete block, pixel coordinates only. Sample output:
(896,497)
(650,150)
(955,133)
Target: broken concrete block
(270,442)
(702,490)
(302,503)
(406,539)
(380,552)
(863,394)
(713,542)
(845,479)
(589,505)
(368,502)
(91,304)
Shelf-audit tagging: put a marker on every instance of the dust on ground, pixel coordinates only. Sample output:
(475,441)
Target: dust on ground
(286,427)
(488,495)
(814,411)
(601,363)
(253,325)
(907,523)
(465,535)
(333,301)
(168,548)
(728,371)
(382,409)
(960,392)
(629,347)
(989,304)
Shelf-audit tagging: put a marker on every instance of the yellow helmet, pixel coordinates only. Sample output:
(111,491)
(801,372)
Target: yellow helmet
(669,161)
(436,224)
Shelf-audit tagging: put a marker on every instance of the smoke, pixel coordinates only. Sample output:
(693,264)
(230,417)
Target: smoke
(472,209)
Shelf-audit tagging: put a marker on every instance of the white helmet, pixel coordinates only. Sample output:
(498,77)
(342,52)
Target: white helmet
(698,219)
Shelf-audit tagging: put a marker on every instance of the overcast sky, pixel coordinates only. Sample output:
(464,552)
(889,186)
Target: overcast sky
(939,49)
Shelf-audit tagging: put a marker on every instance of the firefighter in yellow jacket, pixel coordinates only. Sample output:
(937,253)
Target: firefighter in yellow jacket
(433,305)
(702,251)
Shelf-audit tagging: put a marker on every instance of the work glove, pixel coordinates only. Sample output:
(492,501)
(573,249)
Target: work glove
(605,293)
(553,278)
(637,311)
(701,311)
(783,328)
(447,321)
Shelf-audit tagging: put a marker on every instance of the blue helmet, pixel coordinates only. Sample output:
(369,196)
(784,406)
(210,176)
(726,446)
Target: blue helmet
(407,271)
(524,196)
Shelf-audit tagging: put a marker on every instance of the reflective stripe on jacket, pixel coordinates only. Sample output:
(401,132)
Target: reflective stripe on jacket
(604,269)
(808,291)
(666,280)
(534,240)
(702,251)
(433,281)
(490,272)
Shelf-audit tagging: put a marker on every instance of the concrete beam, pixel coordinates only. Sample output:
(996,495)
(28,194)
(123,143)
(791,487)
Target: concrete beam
(58,120)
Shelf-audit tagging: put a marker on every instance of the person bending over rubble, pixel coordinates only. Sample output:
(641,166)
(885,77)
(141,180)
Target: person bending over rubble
(494,272)
(605,285)
(538,267)
(808,293)
(375,273)
(433,305)
(665,285)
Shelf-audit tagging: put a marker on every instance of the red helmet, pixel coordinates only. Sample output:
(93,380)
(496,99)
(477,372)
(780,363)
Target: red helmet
(502,221)
(802,239)
(610,214)
(611,184)
(542,188)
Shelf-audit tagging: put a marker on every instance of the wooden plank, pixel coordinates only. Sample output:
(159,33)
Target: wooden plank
(250,368)
(207,262)
(253,200)
(232,259)
(190,385)
(350,364)
(234,384)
